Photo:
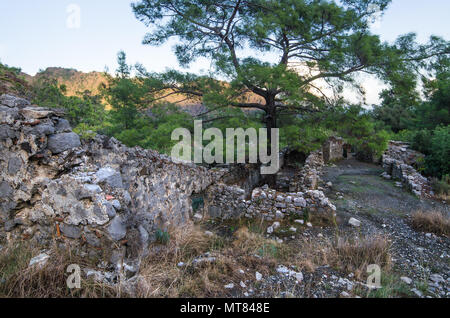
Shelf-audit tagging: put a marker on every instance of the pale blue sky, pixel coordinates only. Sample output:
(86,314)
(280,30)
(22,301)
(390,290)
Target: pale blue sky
(34,34)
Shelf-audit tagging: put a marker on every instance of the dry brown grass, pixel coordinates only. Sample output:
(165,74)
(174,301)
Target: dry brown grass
(441,187)
(344,254)
(160,276)
(49,281)
(164,278)
(251,252)
(355,255)
(431,222)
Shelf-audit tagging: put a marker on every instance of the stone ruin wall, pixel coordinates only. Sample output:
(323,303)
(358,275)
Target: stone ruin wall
(98,196)
(333,149)
(309,176)
(105,199)
(398,163)
(271,205)
(228,201)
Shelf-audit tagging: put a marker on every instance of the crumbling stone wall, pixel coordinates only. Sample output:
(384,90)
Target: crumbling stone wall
(228,202)
(97,195)
(224,201)
(309,176)
(398,163)
(272,205)
(400,151)
(333,149)
(108,200)
(291,160)
(228,199)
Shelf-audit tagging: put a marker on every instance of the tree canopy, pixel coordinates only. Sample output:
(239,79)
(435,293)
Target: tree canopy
(254,43)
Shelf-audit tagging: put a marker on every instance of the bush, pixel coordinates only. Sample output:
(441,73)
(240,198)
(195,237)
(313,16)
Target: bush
(431,222)
(438,163)
(435,144)
(85,110)
(303,137)
(162,237)
(441,187)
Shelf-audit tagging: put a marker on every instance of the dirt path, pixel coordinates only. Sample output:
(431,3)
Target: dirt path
(358,191)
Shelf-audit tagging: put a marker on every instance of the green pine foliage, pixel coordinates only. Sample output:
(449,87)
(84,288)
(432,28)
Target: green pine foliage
(252,46)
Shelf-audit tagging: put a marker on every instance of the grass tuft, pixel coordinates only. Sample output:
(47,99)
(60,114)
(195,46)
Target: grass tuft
(431,222)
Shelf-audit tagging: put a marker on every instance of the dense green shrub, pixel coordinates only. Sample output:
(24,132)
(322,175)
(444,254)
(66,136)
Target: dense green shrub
(441,187)
(438,161)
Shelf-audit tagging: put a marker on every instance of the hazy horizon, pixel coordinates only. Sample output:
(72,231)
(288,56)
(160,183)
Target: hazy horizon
(35,35)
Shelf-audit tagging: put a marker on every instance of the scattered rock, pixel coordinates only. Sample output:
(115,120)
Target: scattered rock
(43,130)
(63,126)
(39,260)
(299,277)
(345,294)
(204,259)
(354,222)
(109,176)
(70,231)
(300,202)
(93,188)
(417,292)
(13,101)
(117,229)
(406,280)
(437,278)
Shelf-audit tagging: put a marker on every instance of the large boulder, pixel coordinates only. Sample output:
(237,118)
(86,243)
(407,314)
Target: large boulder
(109,176)
(61,142)
(13,101)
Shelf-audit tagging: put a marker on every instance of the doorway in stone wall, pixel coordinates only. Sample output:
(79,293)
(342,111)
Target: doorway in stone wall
(347,151)
(292,164)
(198,202)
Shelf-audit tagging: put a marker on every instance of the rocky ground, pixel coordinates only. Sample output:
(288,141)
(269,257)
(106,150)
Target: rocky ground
(420,261)
(384,208)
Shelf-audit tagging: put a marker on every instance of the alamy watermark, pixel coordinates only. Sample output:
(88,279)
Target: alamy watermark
(374,278)
(74,279)
(237,144)
(73,20)
(377,14)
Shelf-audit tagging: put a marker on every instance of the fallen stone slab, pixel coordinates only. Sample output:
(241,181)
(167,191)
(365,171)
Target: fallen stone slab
(35,113)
